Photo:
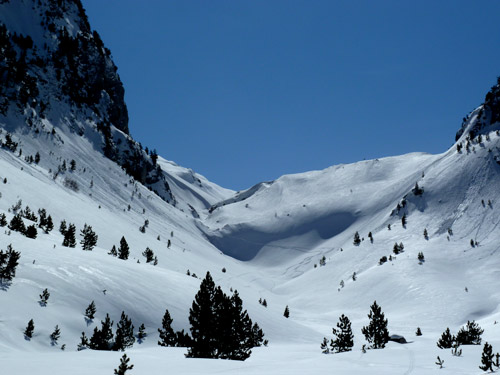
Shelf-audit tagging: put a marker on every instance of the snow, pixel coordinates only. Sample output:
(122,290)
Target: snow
(269,238)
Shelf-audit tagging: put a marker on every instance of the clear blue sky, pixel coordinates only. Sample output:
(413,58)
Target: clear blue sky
(246,91)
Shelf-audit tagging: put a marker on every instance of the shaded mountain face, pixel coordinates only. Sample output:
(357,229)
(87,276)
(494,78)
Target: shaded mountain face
(58,76)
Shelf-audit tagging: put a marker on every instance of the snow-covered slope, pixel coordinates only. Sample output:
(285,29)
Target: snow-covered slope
(269,239)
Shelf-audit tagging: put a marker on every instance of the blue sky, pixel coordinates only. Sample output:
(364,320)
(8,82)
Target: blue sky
(246,91)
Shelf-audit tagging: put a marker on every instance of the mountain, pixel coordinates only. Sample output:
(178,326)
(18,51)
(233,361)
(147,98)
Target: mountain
(289,241)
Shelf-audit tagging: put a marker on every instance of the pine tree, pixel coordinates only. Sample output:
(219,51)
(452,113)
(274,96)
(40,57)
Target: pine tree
(167,334)
(31,231)
(286,313)
(202,318)
(72,165)
(28,332)
(357,240)
(344,337)
(124,366)
(113,251)
(324,346)
(470,334)
(49,224)
(370,236)
(9,261)
(63,227)
(3,220)
(376,332)
(141,335)
(149,255)
(426,235)
(487,358)
(420,257)
(54,336)
(446,340)
(69,236)
(90,311)
(403,221)
(89,239)
(17,224)
(124,337)
(102,339)
(418,332)
(44,297)
(123,250)
(84,342)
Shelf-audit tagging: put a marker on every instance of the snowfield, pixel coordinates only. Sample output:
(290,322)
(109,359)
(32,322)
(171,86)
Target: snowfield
(288,241)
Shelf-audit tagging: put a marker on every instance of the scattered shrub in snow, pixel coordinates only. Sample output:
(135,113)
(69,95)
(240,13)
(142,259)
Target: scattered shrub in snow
(421,257)
(382,260)
(376,332)
(418,332)
(71,184)
(426,234)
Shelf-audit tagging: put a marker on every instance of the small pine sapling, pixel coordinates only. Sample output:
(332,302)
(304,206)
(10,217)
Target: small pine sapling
(54,336)
(455,350)
(426,234)
(324,346)
(30,328)
(439,362)
(44,297)
(124,366)
(142,334)
(84,342)
(487,358)
(286,313)
(446,340)
(90,311)
(421,257)
(357,239)
(418,332)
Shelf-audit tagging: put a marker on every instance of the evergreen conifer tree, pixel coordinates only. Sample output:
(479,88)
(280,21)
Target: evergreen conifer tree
(446,340)
(487,358)
(403,221)
(9,261)
(470,334)
(63,227)
(17,224)
(356,240)
(376,332)
(167,334)
(113,251)
(123,250)
(102,339)
(90,311)
(286,313)
(3,220)
(44,297)
(89,239)
(31,231)
(418,332)
(124,337)
(344,337)
(324,346)
(30,328)
(124,366)
(49,224)
(54,336)
(149,255)
(69,236)
(141,335)
(84,342)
